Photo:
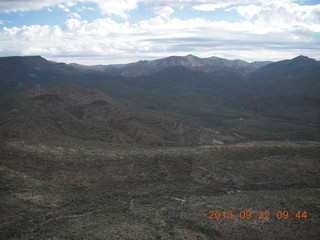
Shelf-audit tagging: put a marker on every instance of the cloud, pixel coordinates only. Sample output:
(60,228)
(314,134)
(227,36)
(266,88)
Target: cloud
(83,8)
(63,8)
(210,7)
(75,15)
(156,37)
(282,16)
(118,7)
(249,11)
(22,5)
(164,8)
(109,7)
(163,11)
(70,3)
(268,29)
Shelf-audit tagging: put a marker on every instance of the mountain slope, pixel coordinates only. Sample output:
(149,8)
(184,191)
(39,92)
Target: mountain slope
(300,66)
(289,89)
(20,73)
(295,107)
(69,111)
(300,75)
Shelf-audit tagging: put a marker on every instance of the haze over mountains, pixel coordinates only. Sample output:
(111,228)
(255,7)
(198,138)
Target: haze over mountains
(208,65)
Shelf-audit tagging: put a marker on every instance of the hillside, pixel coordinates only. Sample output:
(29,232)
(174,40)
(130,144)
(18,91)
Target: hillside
(20,73)
(70,111)
(288,89)
(300,66)
(89,189)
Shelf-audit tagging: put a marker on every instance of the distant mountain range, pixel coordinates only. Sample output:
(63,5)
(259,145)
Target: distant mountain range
(208,65)
(170,101)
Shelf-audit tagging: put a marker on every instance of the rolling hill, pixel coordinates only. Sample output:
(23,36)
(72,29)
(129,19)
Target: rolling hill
(69,111)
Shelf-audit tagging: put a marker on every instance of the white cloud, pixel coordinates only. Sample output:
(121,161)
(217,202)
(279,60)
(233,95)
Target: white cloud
(84,8)
(70,4)
(249,11)
(63,8)
(155,37)
(163,8)
(210,7)
(115,7)
(164,11)
(269,29)
(282,16)
(22,5)
(75,15)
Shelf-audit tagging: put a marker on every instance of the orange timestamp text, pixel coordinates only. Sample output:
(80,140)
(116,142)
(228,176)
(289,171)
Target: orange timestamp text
(215,215)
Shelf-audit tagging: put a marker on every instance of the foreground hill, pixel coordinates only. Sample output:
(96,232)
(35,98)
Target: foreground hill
(68,110)
(93,190)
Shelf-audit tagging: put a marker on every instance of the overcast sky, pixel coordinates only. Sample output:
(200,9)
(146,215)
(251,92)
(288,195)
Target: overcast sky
(121,31)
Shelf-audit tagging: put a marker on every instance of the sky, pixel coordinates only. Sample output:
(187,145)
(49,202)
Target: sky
(121,31)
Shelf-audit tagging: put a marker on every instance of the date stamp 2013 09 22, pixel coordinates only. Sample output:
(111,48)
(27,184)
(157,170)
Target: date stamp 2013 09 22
(216,215)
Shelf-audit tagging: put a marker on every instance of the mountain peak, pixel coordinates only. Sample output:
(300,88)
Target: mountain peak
(302,58)
(23,58)
(190,56)
(35,56)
